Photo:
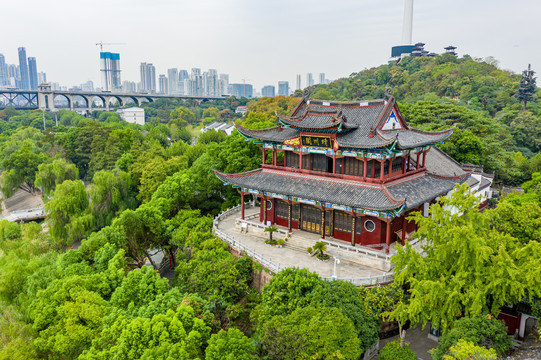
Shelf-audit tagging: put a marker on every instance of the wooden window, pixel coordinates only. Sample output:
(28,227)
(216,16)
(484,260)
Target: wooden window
(343,221)
(295,212)
(369,165)
(319,162)
(397,165)
(282,209)
(359,226)
(377,165)
(306,161)
(386,167)
(353,166)
(292,159)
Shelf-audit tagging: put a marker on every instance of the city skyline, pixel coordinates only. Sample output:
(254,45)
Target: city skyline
(363,31)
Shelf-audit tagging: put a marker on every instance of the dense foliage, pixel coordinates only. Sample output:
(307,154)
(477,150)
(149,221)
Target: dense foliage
(84,285)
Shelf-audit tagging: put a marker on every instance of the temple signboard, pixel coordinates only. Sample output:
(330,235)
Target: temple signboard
(316,141)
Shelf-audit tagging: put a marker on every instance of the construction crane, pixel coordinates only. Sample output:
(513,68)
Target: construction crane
(101,43)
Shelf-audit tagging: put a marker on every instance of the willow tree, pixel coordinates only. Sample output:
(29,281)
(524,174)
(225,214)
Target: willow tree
(466,267)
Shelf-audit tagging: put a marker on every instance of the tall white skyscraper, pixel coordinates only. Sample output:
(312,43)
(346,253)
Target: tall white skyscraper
(322,78)
(164,84)
(172,76)
(148,77)
(299,86)
(110,71)
(309,80)
(4,78)
(224,84)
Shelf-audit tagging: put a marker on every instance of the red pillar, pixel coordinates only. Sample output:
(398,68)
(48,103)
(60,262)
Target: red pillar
(365,166)
(274,157)
(388,236)
(334,164)
(424,159)
(285,157)
(289,217)
(404,224)
(381,169)
(242,205)
(417,161)
(404,162)
(300,161)
(353,230)
(323,223)
(264,210)
(263,155)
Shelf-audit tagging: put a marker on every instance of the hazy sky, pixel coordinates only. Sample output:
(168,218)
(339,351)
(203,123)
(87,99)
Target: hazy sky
(260,41)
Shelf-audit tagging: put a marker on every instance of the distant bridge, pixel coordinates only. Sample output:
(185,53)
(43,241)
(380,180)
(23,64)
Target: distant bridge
(44,99)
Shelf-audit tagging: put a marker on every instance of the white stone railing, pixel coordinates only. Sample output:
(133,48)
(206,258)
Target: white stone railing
(275,267)
(362,250)
(21,215)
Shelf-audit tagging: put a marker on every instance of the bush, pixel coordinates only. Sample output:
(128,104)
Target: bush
(309,249)
(322,256)
(281,242)
(481,330)
(393,351)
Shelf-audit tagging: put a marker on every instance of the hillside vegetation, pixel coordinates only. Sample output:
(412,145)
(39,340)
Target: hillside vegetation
(474,94)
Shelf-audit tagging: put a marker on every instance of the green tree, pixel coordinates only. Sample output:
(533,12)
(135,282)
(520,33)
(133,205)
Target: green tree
(481,330)
(527,89)
(178,334)
(466,350)
(395,351)
(66,212)
(144,229)
(310,333)
(20,168)
(50,175)
(467,268)
(229,344)
(181,117)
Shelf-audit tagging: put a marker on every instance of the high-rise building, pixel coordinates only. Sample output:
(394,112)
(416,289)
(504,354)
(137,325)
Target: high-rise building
(23,69)
(42,77)
(241,90)
(299,85)
(172,76)
(148,77)
(164,84)
(224,84)
(183,75)
(267,91)
(283,88)
(322,78)
(33,73)
(211,83)
(129,86)
(87,86)
(110,71)
(309,80)
(4,78)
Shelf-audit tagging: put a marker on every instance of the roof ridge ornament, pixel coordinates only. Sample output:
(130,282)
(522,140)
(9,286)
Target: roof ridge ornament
(388,93)
(306,94)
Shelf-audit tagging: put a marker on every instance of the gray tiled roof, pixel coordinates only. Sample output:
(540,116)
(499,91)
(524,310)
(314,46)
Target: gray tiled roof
(361,125)
(318,188)
(439,163)
(484,183)
(276,133)
(422,189)
(415,190)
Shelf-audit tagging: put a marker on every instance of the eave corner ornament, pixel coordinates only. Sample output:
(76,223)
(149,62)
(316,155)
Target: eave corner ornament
(296,141)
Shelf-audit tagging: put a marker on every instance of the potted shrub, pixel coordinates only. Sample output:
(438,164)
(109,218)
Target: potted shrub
(280,243)
(309,249)
(319,249)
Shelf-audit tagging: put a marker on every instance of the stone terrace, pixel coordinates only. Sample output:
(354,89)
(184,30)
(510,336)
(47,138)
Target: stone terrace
(357,265)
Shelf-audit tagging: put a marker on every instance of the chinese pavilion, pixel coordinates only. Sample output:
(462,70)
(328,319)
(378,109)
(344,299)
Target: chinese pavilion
(350,170)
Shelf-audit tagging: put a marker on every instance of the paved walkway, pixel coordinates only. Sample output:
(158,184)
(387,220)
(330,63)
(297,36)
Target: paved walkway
(417,340)
(294,253)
